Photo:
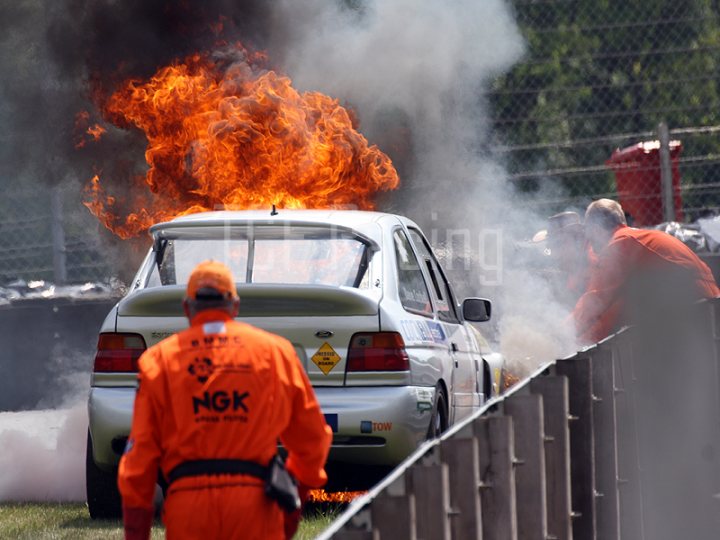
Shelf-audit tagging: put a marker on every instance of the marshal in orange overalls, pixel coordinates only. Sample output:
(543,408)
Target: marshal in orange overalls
(220,390)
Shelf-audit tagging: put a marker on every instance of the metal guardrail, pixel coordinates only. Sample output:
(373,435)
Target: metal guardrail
(620,440)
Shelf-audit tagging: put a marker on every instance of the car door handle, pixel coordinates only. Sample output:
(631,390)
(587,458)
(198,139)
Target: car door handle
(454,349)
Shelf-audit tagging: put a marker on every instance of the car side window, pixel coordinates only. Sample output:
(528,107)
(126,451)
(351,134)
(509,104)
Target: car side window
(412,288)
(440,287)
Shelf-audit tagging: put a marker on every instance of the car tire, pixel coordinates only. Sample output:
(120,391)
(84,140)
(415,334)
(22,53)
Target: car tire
(439,419)
(103,496)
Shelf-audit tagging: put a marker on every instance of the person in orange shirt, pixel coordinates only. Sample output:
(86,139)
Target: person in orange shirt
(639,274)
(212,403)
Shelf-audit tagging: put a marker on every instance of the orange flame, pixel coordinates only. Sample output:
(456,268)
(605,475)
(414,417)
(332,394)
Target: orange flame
(96,131)
(321,496)
(232,136)
(82,128)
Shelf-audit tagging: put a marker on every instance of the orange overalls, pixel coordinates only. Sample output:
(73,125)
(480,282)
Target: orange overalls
(631,251)
(221,390)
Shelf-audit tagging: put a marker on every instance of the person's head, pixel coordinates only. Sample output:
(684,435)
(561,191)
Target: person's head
(211,286)
(602,219)
(565,239)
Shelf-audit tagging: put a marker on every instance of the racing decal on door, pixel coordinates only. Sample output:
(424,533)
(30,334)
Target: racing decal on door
(421,332)
(326,358)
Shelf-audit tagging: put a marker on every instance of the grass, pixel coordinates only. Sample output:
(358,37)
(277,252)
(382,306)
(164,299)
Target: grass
(60,521)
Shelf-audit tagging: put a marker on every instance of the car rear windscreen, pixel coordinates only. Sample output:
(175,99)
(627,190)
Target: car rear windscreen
(299,258)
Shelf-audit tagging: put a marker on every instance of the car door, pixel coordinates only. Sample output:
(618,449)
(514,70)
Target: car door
(447,321)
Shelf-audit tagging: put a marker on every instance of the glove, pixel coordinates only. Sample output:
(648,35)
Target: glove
(292,519)
(137,523)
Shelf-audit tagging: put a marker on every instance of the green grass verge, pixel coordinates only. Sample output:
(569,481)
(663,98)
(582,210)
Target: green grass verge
(48,521)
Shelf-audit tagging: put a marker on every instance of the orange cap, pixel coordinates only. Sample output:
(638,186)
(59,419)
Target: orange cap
(212,275)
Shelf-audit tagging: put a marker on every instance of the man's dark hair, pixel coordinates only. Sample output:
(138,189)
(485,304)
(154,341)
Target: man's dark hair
(210,298)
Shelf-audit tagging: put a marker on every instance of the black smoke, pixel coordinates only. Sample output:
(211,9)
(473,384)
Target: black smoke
(56,56)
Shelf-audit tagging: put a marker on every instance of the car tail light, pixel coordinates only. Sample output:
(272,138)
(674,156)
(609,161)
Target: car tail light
(118,353)
(377,351)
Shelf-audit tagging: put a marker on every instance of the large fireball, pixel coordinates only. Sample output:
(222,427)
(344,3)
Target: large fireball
(226,134)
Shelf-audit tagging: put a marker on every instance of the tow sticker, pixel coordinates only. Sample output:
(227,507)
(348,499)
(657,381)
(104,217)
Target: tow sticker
(326,358)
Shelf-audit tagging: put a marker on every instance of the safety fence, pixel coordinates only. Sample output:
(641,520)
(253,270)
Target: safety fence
(619,441)
(46,234)
(602,76)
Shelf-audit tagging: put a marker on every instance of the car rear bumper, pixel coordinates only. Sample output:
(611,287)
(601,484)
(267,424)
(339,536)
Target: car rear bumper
(110,416)
(378,425)
(374,425)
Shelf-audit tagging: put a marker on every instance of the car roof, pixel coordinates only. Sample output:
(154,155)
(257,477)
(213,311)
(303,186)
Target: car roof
(344,218)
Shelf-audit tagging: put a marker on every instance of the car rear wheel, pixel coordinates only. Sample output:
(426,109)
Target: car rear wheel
(103,496)
(439,420)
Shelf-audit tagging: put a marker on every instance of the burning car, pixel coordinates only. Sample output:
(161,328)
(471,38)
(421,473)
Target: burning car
(361,296)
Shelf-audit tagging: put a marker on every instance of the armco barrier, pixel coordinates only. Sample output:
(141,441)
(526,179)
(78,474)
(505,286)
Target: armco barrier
(619,441)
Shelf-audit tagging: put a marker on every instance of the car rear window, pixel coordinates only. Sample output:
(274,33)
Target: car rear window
(312,258)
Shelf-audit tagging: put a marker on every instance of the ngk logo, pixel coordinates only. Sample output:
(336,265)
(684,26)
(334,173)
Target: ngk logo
(220,401)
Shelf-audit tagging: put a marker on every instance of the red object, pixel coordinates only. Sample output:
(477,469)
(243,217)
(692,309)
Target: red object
(377,351)
(639,184)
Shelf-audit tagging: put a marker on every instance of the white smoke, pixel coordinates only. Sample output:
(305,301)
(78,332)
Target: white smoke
(43,456)
(425,66)
(43,450)
(422,64)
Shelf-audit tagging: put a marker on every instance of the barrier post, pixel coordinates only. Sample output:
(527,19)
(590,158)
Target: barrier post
(461,457)
(715,325)
(605,439)
(431,487)
(497,495)
(393,516)
(629,482)
(578,370)
(556,412)
(531,491)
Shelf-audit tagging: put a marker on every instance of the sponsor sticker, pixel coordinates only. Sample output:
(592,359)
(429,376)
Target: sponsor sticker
(326,358)
(424,397)
(367,426)
(436,331)
(422,332)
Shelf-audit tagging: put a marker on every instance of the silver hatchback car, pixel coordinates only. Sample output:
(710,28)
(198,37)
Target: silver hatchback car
(360,295)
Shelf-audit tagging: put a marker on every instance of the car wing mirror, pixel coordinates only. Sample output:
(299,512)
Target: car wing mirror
(476,309)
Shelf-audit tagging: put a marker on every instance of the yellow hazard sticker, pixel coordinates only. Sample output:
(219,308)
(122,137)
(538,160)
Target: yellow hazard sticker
(326,358)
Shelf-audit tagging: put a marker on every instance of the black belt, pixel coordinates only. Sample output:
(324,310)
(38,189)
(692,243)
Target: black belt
(201,467)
